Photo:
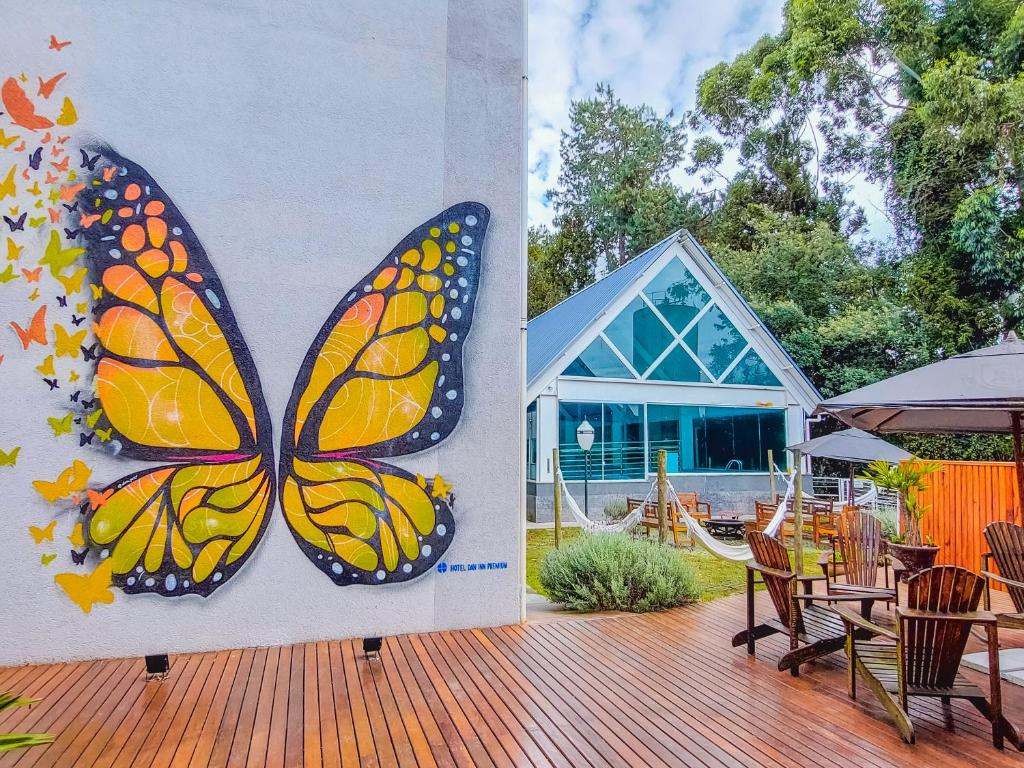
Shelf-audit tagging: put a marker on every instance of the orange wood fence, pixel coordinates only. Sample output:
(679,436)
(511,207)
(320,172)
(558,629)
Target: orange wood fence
(965,496)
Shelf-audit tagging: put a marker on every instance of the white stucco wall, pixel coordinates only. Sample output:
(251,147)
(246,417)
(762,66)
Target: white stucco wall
(302,140)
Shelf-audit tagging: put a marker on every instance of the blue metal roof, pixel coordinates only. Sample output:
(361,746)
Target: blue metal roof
(548,335)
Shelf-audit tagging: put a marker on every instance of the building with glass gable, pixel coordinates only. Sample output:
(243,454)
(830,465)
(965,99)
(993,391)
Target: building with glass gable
(662,353)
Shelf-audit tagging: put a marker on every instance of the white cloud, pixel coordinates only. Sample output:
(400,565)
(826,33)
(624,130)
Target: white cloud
(650,51)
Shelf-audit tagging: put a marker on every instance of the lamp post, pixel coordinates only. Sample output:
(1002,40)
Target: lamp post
(585,439)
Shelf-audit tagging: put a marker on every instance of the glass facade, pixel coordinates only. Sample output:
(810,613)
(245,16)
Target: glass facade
(696,438)
(646,334)
(618,451)
(531,441)
(708,439)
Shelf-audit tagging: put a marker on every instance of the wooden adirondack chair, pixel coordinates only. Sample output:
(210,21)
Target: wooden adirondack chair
(1006,545)
(814,630)
(856,552)
(922,657)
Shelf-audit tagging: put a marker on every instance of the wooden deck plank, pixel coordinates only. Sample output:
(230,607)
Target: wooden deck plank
(662,689)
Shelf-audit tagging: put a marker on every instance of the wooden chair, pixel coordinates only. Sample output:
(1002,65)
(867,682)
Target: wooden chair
(824,523)
(676,525)
(857,550)
(763,513)
(813,630)
(1006,546)
(699,510)
(922,657)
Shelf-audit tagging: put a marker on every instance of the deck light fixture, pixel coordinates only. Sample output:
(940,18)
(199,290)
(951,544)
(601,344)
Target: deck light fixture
(372,646)
(157,667)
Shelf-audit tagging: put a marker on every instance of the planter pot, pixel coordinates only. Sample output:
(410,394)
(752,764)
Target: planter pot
(914,559)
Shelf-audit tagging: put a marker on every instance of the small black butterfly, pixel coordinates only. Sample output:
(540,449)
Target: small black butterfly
(70,208)
(89,353)
(88,162)
(76,320)
(71,234)
(15,225)
(53,384)
(36,158)
(78,558)
(84,439)
(87,404)
(78,420)
(62,301)
(74,397)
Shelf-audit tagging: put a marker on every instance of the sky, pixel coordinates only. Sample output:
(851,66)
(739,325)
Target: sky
(649,51)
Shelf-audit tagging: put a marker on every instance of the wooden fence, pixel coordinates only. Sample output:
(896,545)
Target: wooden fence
(965,496)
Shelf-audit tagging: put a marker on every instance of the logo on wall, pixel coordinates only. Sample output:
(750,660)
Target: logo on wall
(169,379)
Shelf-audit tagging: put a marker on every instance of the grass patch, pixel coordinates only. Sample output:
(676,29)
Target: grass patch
(715,577)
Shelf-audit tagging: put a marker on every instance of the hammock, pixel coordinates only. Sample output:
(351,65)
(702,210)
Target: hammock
(736,552)
(867,499)
(593,526)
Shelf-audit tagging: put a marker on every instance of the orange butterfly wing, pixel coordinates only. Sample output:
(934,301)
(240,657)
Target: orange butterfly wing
(383,378)
(36,329)
(175,383)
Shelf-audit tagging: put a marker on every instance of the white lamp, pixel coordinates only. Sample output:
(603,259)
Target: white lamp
(585,439)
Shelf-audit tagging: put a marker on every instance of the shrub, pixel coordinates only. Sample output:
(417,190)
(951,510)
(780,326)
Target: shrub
(617,572)
(615,510)
(10,741)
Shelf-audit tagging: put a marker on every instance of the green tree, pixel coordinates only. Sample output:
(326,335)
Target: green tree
(926,98)
(614,180)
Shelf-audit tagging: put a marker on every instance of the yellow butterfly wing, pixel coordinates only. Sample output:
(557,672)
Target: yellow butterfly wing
(383,378)
(174,384)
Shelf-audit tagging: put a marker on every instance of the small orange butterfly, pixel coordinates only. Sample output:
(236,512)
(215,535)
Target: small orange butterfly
(32,275)
(63,164)
(36,329)
(58,45)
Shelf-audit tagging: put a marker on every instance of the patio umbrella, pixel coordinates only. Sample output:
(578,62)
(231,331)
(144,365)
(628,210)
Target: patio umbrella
(854,446)
(979,391)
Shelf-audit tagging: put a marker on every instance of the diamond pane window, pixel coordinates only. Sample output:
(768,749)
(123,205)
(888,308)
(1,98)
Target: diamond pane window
(598,361)
(676,294)
(639,335)
(752,370)
(715,341)
(678,366)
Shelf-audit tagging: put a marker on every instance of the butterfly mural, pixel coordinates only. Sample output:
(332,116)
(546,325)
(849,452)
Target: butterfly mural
(178,387)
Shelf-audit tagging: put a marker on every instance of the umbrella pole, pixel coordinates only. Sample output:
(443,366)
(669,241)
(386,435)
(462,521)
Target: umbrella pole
(798,517)
(1018,460)
(850,501)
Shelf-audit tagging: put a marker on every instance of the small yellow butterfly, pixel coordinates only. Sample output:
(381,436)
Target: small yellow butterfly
(73,376)
(87,591)
(54,195)
(93,418)
(5,140)
(68,115)
(104,434)
(34,295)
(59,258)
(39,203)
(8,274)
(7,188)
(46,559)
(9,458)
(72,175)
(97,291)
(440,489)
(73,283)
(76,538)
(47,369)
(71,480)
(60,426)
(34,189)
(67,344)
(82,308)
(13,250)
(43,534)
(35,223)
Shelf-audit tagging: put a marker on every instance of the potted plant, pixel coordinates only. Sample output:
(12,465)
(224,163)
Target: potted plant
(908,479)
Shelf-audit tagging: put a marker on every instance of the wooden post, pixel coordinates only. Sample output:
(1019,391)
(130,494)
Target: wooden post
(662,496)
(771,475)
(798,516)
(558,498)
(1018,461)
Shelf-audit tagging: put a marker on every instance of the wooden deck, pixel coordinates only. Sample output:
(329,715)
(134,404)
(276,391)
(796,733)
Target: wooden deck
(662,689)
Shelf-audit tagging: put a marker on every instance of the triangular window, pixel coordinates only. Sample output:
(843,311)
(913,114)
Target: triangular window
(753,371)
(676,294)
(639,335)
(678,366)
(598,361)
(715,340)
